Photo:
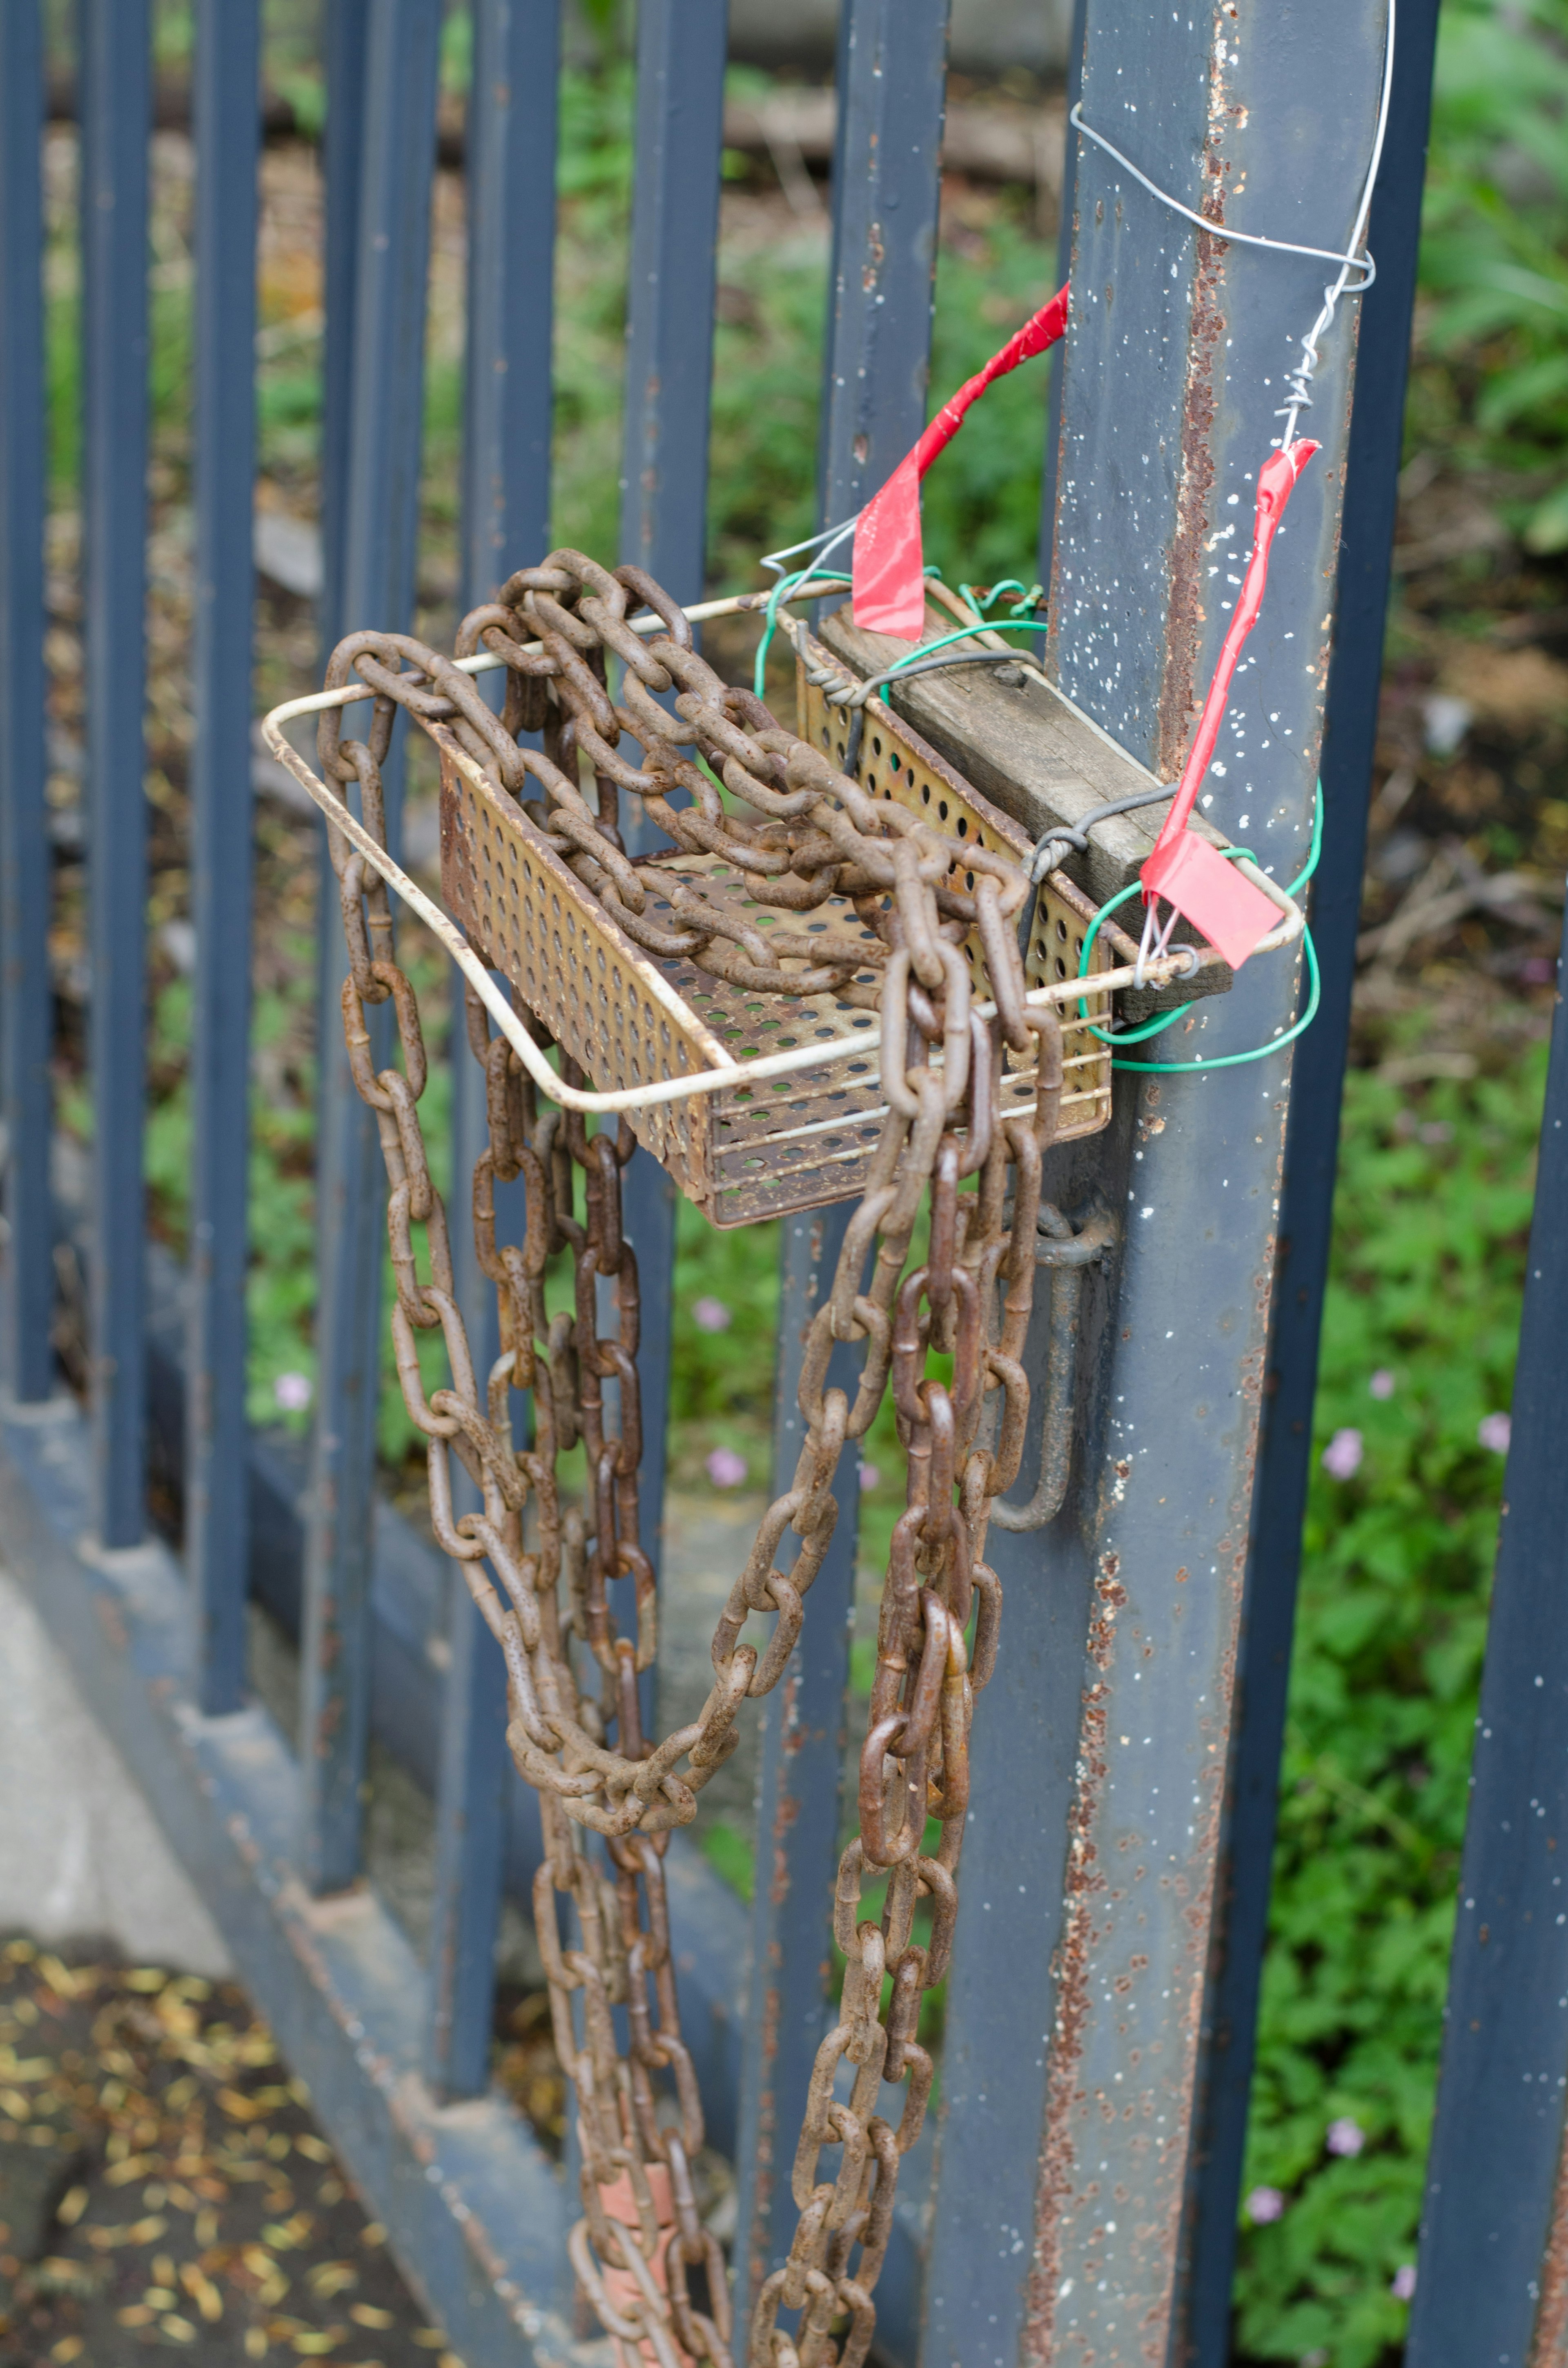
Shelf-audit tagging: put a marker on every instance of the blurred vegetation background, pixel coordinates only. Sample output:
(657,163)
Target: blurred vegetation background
(1470,844)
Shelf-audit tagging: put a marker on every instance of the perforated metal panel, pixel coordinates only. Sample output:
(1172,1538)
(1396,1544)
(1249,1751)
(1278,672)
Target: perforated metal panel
(630,1019)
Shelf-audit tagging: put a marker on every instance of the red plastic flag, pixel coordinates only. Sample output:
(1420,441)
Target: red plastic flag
(889,564)
(1204,887)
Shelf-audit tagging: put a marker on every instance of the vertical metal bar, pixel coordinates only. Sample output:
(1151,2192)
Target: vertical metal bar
(217,1524)
(673,264)
(347,28)
(1307,1206)
(1065,230)
(379,544)
(886,185)
(798,1801)
(1492,2272)
(27,1356)
(1171,377)
(663,513)
(116,121)
(891,82)
(505,523)
(511,232)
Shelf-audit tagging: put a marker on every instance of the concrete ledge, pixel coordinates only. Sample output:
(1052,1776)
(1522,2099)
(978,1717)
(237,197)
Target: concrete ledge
(475,2211)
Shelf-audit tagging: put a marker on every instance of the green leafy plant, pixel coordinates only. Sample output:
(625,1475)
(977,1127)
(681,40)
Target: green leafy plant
(1419,1339)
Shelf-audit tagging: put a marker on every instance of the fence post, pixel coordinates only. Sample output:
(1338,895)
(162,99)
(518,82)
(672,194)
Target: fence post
(228,137)
(380,514)
(27,1354)
(1492,2284)
(1088,1885)
(505,524)
(1306,1209)
(672,271)
(116,124)
(891,85)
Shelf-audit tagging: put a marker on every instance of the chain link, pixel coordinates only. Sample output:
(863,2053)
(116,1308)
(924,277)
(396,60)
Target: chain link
(540,1566)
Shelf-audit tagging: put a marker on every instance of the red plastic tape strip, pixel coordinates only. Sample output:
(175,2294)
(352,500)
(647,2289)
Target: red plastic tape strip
(889,564)
(1189,874)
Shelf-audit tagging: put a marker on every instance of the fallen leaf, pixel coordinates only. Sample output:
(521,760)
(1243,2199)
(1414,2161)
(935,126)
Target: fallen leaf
(370,2313)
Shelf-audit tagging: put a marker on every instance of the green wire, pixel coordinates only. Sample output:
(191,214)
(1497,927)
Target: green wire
(1154,1026)
(785,583)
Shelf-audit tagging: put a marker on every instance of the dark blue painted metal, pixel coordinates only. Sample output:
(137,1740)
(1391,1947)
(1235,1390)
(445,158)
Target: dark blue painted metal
(116,121)
(1492,2289)
(669,330)
(511,200)
(892,78)
(663,514)
(379,542)
(511,254)
(804,1724)
(346,28)
(886,179)
(1064,267)
(998,2015)
(27,1356)
(1307,1206)
(1154,1540)
(227,121)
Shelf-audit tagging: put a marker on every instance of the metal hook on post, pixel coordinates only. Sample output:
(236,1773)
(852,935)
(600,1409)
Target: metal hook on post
(1064,1254)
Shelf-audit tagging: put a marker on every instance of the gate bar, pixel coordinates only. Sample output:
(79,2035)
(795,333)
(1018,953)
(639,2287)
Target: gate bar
(672,274)
(1170,376)
(116,126)
(1350,728)
(380,537)
(510,187)
(891,78)
(228,149)
(27,1354)
(1492,2282)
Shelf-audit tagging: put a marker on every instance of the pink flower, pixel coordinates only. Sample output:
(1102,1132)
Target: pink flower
(1342,1456)
(869,1475)
(1402,2285)
(294,1391)
(1382,1383)
(711,1316)
(1538,970)
(725,1468)
(1495,1430)
(1263,2204)
(1344,2136)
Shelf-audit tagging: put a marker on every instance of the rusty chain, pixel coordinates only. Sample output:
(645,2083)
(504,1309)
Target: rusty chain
(805,831)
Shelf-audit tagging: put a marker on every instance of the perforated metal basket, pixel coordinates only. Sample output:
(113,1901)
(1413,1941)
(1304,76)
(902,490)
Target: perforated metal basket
(629,1017)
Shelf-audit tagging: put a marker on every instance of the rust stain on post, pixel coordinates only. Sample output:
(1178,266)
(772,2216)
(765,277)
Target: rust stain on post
(1071,1971)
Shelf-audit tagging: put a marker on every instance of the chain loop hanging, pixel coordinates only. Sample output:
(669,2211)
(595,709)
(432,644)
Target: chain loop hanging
(540,1566)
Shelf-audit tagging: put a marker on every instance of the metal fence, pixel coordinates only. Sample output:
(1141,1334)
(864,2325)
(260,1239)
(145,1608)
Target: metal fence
(1078,2200)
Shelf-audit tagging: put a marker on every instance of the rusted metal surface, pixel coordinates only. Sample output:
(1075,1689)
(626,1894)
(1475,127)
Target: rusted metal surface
(650,2268)
(1171,376)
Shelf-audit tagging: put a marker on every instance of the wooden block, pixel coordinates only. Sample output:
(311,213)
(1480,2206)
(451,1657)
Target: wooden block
(1037,757)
